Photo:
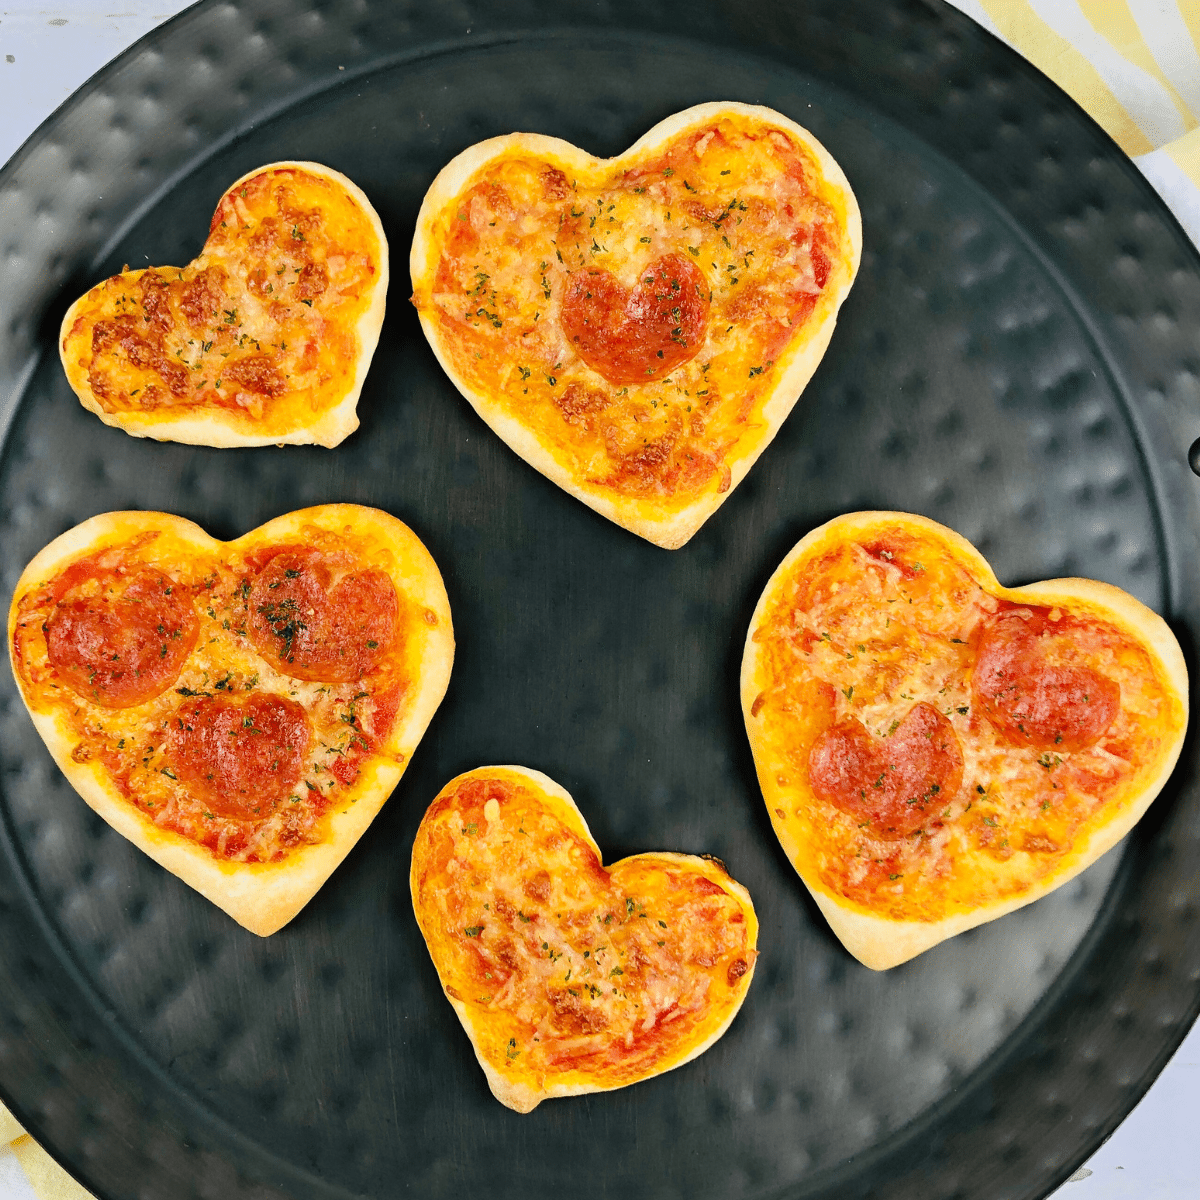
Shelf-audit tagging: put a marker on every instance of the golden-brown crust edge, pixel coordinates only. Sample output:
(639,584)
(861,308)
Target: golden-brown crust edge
(262,897)
(329,429)
(880,942)
(670,530)
(524,1098)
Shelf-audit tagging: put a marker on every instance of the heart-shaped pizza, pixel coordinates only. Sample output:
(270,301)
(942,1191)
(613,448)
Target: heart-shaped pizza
(239,710)
(569,976)
(264,338)
(638,328)
(936,750)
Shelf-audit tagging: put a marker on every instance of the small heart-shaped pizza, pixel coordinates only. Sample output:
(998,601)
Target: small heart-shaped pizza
(569,976)
(239,710)
(936,750)
(265,338)
(637,328)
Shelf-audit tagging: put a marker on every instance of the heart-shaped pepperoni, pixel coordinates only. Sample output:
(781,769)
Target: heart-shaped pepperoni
(119,638)
(1033,699)
(936,750)
(895,783)
(240,710)
(264,337)
(311,618)
(241,756)
(629,335)
(638,328)
(568,976)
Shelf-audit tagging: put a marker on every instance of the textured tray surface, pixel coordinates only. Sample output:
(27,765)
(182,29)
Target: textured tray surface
(1017,360)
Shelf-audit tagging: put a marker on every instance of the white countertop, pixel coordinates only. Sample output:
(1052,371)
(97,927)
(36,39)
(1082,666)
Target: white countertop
(45,54)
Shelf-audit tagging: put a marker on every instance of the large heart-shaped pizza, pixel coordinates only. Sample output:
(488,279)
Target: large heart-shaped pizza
(568,976)
(936,750)
(638,328)
(264,338)
(239,710)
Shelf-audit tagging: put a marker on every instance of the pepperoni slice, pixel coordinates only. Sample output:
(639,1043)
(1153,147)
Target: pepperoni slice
(240,757)
(311,619)
(639,334)
(1032,701)
(119,638)
(896,783)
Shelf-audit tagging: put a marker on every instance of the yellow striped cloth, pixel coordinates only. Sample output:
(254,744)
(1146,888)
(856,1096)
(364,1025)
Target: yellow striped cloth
(1133,64)
(45,1178)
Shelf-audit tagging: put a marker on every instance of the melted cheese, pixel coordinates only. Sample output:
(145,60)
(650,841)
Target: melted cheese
(351,722)
(565,973)
(742,201)
(263,333)
(867,626)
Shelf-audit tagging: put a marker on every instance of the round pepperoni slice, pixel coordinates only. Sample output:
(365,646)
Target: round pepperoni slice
(896,783)
(119,638)
(1032,701)
(313,620)
(641,334)
(239,757)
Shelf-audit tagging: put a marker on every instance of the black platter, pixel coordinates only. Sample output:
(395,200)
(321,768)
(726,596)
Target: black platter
(1019,359)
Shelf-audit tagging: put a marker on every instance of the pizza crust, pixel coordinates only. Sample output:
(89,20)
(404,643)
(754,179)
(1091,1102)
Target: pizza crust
(524,1094)
(881,942)
(263,897)
(212,426)
(664,525)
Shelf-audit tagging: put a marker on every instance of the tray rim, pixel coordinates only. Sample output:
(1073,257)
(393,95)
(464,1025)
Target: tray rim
(1172,578)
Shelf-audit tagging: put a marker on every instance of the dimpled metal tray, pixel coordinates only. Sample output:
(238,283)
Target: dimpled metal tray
(1019,359)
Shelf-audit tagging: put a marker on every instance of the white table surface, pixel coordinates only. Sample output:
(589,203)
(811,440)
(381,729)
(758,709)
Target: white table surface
(46,53)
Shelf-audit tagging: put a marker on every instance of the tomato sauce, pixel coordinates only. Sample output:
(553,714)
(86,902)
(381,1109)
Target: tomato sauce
(606,971)
(932,743)
(262,326)
(232,700)
(638,320)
